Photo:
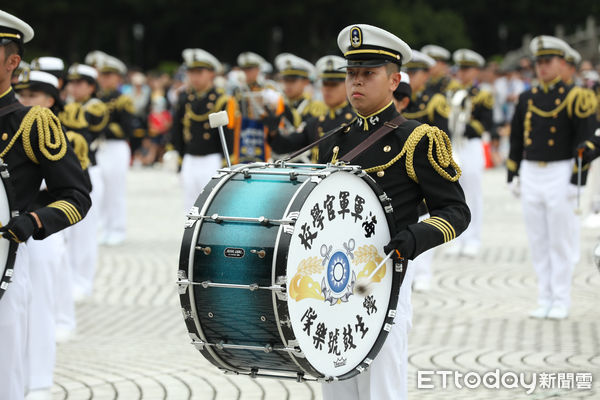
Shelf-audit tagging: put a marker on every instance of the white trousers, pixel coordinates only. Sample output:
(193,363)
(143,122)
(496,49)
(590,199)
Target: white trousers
(196,172)
(551,223)
(113,158)
(82,244)
(41,348)
(387,377)
(14,321)
(65,304)
(472,164)
(422,264)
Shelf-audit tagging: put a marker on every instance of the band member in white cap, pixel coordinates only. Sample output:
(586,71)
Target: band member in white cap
(49,157)
(89,116)
(440,80)
(338,112)
(549,122)
(409,171)
(114,154)
(296,75)
(260,105)
(191,134)
(469,147)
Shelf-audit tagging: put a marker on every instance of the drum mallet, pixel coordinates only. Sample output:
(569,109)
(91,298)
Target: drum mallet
(219,120)
(579,165)
(363,285)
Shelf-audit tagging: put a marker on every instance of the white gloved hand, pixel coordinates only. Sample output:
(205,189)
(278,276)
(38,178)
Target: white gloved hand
(171,161)
(515,187)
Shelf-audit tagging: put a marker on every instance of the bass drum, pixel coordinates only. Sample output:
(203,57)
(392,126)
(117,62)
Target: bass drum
(268,265)
(8,249)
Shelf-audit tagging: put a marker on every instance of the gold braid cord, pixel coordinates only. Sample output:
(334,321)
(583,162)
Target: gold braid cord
(437,104)
(579,101)
(101,113)
(51,139)
(443,152)
(73,117)
(190,116)
(80,147)
(484,98)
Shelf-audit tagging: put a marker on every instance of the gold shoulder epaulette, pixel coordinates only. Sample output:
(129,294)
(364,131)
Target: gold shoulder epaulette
(51,140)
(125,103)
(73,116)
(80,147)
(584,102)
(453,85)
(438,104)
(316,108)
(484,98)
(99,115)
(443,151)
(220,103)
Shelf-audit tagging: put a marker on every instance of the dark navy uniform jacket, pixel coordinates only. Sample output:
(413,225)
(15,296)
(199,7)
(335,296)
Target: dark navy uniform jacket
(120,106)
(315,128)
(411,164)
(191,132)
(34,146)
(548,124)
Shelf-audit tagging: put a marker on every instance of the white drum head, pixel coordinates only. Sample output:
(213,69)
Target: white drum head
(338,238)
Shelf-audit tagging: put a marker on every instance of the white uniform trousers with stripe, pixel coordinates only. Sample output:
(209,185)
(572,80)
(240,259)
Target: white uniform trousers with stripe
(14,321)
(549,212)
(44,271)
(196,172)
(387,377)
(113,158)
(472,164)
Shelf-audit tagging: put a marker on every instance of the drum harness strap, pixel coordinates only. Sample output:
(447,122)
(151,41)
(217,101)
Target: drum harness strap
(10,108)
(364,145)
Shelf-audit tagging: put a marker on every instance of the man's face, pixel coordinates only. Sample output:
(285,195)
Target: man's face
(440,68)
(200,78)
(467,75)
(32,98)
(370,89)
(293,87)
(334,93)
(109,80)
(418,78)
(548,68)
(80,89)
(251,74)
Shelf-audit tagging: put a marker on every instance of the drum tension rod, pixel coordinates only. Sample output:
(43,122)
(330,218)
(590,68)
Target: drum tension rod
(260,220)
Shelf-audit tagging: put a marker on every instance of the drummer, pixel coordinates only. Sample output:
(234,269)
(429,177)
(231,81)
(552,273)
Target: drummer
(409,171)
(47,156)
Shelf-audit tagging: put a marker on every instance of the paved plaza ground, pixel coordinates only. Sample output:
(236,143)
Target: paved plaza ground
(131,342)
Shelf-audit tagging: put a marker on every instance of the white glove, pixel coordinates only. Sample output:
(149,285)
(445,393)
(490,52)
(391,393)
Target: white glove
(171,161)
(515,187)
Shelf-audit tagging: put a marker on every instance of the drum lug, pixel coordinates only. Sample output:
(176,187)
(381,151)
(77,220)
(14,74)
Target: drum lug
(286,322)
(398,267)
(281,282)
(316,179)
(206,250)
(392,313)
(182,281)
(187,314)
(389,209)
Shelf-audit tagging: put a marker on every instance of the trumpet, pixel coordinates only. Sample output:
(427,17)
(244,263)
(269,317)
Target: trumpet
(460,112)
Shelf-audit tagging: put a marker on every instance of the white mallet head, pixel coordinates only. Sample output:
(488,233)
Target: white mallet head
(218,119)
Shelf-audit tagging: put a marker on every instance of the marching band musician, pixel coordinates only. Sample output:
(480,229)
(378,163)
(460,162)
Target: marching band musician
(469,146)
(440,80)
(88,116)
(51,279)
(296,74)
(569,70)
(34,147)
(191,134)
(260,105)
(549,122)
(339,111)
(408,170)
(114,155)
